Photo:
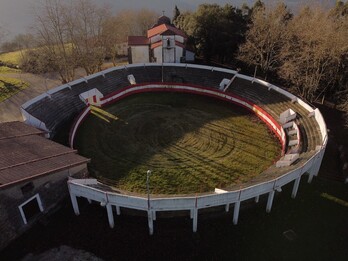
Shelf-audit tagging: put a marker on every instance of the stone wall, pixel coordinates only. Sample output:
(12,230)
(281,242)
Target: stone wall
(51,189)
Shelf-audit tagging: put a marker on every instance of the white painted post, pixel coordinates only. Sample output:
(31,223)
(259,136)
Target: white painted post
(74,204)
(154,214)
(227,207)
(110,215)
(270,201)
(310,177)
(118,210)
(295,188)
(257,198)
(191,213)
(195,219)
(150,221)
(236,212)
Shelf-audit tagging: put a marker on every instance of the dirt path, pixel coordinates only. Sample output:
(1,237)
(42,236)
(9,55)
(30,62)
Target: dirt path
(10,108)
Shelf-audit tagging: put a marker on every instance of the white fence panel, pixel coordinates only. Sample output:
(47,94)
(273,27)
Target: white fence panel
(127,201)
(218,200)
(256,190)
(167,204)
(287,178)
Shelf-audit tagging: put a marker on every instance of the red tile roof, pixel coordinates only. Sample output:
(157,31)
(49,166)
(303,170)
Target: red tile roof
(138,40)
(26,155)
(164,28)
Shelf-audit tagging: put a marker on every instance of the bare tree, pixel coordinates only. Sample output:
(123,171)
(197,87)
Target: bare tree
(3,33)
(85,27)
(52,29)
(127,22)
(265,37)
(314,54)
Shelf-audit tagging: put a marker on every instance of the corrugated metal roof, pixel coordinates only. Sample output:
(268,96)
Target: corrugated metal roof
(29,155)
(16,129)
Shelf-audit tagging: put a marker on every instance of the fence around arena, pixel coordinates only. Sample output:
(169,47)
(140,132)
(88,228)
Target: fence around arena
(87,187)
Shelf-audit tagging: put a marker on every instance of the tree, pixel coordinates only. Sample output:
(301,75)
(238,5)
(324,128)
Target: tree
(52,29)
(265,38)
(3,33)
(72,35)
(315,55)
(19,42)
(127,22)
(215,31)
(176,14)
(85,29)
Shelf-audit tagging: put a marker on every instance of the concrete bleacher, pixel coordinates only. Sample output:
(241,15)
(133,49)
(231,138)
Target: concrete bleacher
(65,104)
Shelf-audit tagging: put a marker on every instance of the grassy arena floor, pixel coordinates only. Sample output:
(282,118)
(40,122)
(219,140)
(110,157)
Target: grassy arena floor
(192,144)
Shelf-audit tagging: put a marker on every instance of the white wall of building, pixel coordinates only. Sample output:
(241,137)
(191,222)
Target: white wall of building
(178,53)
(140,54)
(179,38)
(157,52)
(155,38)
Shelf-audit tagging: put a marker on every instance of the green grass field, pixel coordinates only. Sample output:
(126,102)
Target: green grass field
(10,86)
(192,144)
(5,69)
(11,57)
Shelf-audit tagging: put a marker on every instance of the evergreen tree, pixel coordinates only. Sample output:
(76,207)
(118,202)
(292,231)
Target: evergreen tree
(176,14)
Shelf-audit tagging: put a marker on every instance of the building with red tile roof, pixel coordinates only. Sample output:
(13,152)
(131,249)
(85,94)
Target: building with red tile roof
(163,43)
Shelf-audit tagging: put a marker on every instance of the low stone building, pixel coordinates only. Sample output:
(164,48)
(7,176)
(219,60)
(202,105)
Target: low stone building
(33,176)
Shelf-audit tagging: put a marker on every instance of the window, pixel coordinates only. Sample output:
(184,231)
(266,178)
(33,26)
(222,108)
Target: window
(30,208)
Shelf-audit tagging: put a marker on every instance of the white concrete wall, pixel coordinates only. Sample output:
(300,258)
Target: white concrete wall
(157,53)
(155,38)
(140,54)
(179,38)
(179,52)
(168,49)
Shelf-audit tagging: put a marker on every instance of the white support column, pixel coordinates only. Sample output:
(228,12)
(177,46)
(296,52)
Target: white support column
(110,215)
(270,201)
(191,213)
(310,177)
(295,188)
(257,198)
(118,210)
(154,214)
(236,212)
(195,219)
(150,221)
(74,204)
(227,207)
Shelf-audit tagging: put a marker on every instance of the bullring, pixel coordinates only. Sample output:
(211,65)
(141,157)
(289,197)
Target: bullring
(50,110)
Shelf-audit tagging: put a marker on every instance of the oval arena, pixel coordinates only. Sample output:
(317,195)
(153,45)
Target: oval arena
(299,127)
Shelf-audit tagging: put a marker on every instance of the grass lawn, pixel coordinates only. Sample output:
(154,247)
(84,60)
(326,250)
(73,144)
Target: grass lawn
(191,143)
(11,57)
(10,86)
(5,69)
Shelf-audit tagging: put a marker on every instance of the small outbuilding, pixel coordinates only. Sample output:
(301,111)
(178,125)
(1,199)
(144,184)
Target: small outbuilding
(33,176)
